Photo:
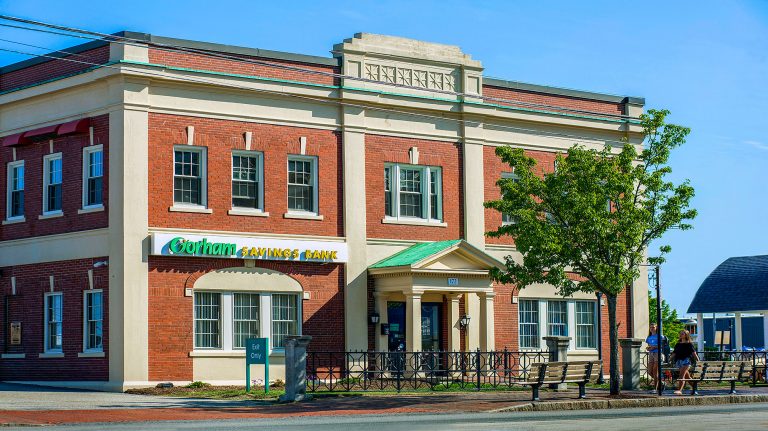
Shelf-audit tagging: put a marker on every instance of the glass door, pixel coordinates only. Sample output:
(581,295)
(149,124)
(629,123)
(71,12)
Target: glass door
(430,327)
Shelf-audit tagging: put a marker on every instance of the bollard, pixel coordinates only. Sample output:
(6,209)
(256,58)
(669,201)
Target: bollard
(296,368)
(558,352)
(630,363)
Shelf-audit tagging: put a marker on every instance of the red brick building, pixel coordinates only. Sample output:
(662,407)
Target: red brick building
(165,200)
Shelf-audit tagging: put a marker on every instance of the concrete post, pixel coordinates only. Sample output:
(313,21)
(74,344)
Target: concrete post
(739,338)
(413,321)
(700,331)
(296,368)
(630,362)
(558,352)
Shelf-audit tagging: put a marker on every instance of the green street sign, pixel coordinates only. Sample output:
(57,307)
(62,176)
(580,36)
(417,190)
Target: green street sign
(256,353)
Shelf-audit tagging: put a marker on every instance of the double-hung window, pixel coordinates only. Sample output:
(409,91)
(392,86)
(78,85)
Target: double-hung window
(94,321)
(93,176)
(557,318)
(413,192)
(528,311)
(284,318)
(507,218)
(585,325)
(225,320)
(207,320)
(302,184)
(245,318)
(247,175)
(15,204)
(52,177)
(53,322)
(189,176)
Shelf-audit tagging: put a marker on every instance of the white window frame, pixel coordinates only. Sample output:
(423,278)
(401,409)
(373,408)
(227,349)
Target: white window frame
(203,151)
(226,319)
(234,335)
(46,331)
(426,202)
(46,182)
(537,324)
(570,321)
(86,175)
(315,184)
(11,166)
(512,176)
(576,324)
(86,331)
(259,175)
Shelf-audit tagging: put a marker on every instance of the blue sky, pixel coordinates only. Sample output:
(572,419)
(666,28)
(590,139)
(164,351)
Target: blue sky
(705,61)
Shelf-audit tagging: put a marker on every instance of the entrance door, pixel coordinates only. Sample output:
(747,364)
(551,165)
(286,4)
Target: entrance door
(430,326)
(396,319)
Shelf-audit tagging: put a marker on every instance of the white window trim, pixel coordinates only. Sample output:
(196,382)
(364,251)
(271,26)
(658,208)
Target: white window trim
(571,322)
(576,328)
(184,206)
(85,208)
(235,210)
(426,173)
(520,326)
(513,176)
(9,179)
(85,321)
(315,187)
(46,348)
(46,179)
(226,322)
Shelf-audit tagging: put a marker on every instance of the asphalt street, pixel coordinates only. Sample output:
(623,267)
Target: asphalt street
(733,417)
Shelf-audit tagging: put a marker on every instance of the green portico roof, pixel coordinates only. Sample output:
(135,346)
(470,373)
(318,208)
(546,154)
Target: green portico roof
(415,253)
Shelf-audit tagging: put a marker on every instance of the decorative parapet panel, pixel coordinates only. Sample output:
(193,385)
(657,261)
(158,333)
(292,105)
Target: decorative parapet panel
(413,65)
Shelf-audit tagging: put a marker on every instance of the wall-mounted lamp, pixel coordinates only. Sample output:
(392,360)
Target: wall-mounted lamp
(373,318)
(464,321)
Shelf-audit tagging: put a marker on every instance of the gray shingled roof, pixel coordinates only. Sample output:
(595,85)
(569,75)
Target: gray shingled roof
(738,284)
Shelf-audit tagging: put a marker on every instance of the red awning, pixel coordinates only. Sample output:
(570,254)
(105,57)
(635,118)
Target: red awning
(13,140)
(41,131)
(75,126)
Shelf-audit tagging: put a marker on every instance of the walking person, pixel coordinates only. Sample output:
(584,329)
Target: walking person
(684,356)
(653,345)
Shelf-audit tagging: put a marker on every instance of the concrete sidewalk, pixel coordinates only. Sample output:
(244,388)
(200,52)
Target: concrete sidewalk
(43,406)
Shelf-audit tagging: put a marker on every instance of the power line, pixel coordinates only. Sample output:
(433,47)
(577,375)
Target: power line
(310,98)
(176,48)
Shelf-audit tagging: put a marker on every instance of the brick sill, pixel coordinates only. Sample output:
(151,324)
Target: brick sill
(89,210)
(13,356)
(183,209)
(303,216)
(50,355)
(413,222)
(90,355)
(247,212)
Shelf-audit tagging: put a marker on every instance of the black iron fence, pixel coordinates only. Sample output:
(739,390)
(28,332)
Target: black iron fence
(398,371)
(759,360)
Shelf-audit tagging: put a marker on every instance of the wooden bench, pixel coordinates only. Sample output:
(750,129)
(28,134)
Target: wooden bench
(545,373)
(719,372)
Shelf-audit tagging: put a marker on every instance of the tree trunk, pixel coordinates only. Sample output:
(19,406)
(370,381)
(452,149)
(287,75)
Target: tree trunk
(613,336)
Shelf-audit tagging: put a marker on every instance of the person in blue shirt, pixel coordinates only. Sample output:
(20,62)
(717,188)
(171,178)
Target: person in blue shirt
(652,347)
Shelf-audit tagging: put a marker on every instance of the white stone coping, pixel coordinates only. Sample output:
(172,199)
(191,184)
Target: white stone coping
(93,209)
(190,209)
(56,214)
(387,220)
(51,355)
(303,216)
(14,220)
(247,212)
(90,355)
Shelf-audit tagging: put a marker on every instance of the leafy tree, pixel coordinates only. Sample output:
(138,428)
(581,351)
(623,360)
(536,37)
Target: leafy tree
(587,226)
(670,322)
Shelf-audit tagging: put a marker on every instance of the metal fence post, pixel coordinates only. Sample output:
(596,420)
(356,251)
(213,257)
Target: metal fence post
(477,368)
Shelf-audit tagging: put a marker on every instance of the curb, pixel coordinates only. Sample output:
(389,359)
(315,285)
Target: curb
(633,403)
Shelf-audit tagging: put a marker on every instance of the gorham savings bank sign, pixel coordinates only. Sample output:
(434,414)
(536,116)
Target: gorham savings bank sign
(244,247)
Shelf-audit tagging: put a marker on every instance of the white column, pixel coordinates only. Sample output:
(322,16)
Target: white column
(382,342)
(472,309)
(356,271)
(737,329)
(454,331)
(487,335)
(413,322)
(765,329)
(700,331)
